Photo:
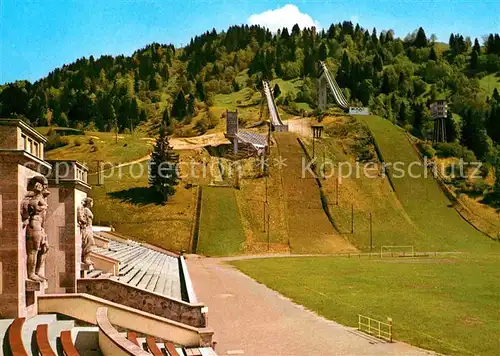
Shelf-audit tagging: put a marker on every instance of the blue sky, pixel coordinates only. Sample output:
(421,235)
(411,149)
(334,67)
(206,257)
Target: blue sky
(37,36)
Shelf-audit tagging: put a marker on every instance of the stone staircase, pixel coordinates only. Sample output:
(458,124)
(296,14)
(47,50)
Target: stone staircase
(46,335)
(41,335)
(143,268)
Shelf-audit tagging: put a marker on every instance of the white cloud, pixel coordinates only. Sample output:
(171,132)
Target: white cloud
(354,19)
(286,16)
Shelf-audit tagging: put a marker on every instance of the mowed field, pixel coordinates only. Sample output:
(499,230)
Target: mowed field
(450,305)
(221,230)
(428,208)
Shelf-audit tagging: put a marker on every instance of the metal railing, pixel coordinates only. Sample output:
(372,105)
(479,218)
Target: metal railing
(375,327)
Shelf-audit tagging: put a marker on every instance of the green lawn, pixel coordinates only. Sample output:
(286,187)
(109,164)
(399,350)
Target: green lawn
(221,230)
(126,202)
(449,305)
(490,82)
(422,199)
(287,86)
(95,146)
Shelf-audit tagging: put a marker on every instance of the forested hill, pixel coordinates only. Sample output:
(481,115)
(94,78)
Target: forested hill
(396,77)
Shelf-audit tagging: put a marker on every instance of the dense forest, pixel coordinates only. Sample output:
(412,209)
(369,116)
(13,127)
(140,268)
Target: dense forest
(396,77)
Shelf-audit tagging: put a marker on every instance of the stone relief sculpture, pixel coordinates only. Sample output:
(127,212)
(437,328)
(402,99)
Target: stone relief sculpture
(33,211)
(85,218)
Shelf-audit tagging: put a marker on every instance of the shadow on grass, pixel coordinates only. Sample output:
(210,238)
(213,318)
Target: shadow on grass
(137,196)
(492,199)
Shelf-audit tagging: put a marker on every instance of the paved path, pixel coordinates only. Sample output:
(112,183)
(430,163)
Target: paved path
(251,319)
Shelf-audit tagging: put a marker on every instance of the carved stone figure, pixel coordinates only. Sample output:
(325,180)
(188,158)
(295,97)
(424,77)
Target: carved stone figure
(85,218)
(33,210)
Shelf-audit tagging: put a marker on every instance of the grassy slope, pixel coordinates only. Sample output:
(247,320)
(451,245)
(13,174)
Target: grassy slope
(131,207)
(490,82)
(449,305)
(128,148)
(309,229)
(390,223)
(423,200)
(221,230)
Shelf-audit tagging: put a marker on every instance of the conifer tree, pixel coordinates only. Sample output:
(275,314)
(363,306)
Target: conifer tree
(163,173)
(179,109)
(474,60)
(421,39)
(276,90)
(476,46)
(323,52)
(433,54)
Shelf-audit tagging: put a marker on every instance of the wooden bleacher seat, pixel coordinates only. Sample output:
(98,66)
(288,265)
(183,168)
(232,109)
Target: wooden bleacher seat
(42,340)
(132,336)
(171,349)
(152,347)
(15,338)
(68,347)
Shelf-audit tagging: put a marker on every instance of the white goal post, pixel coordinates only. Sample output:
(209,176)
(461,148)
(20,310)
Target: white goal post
(398,251)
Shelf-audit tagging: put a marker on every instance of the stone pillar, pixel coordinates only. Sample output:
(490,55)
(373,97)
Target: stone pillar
(17,295)
(67,193)
(20,160)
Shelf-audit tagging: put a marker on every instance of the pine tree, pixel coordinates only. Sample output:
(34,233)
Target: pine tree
(166,118)
(179,109)
(276,90)
(433,54)
(421,39)
(190,105)
(200,90)
(163,173)
(451,42)
(377,63)
(374,36)
(496,95)
(402,116)
(323,52)
(476,46)
(344,72)
(496,187)
(474,60)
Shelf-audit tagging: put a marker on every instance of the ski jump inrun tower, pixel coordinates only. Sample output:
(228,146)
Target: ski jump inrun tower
(325,80)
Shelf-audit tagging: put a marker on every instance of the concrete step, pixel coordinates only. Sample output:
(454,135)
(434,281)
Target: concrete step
(156,275)
(150,271)
(28,334)
(135,266)
(162,279)
(140,266)
(86,340)
(54,332)
(4,327)
(94,273)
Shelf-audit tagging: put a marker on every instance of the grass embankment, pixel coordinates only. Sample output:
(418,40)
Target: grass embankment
(344,141)
(421,197)
(94,146)
(221,230)
(449,305)
(490,82)
(255,212)
(126,202)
